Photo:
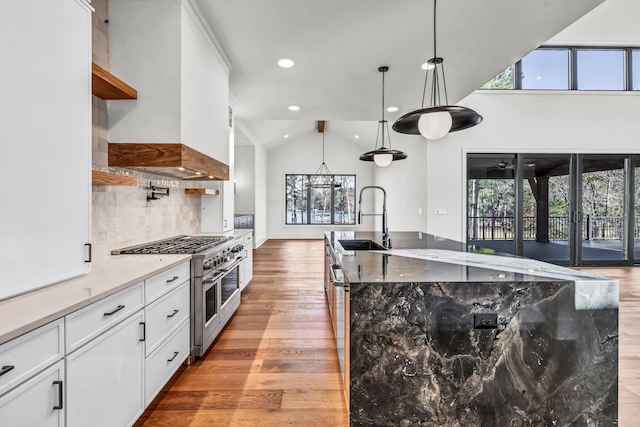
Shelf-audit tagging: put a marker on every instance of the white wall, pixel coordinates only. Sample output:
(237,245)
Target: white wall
(245,176)
(405,182)
(304,155)
(525,121)
(260,219)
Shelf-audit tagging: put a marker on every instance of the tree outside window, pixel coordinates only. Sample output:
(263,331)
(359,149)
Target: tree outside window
(332,202)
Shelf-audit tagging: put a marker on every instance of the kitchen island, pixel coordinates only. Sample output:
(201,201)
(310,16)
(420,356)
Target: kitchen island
(437,336)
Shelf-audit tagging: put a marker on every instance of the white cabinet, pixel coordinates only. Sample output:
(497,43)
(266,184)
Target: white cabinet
(45,122)
(167,327)
(161,283)
(165,315)
(105,377)
(30,353)
(247,241)
(242,274)
(217,211)
(32,378)
(37,402)
(85,324)
(166,50)
(118,354)
(166,360)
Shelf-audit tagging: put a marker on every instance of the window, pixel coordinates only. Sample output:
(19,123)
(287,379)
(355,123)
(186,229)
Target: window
(600,69)
(546,69)
(333,203)
(504,80)
(635,60)
(573,68)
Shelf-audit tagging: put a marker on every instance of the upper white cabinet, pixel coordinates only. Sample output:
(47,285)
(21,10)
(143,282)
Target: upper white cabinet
(45,125)
(170,55)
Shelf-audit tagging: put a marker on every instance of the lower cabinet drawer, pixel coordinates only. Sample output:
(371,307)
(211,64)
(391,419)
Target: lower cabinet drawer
(166,360)
(28,354)
(87,323)
(162,282)
(165,314)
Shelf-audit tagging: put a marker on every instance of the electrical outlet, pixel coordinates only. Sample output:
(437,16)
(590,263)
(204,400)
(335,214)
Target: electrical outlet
(485,321)
(440,211)
(419,211)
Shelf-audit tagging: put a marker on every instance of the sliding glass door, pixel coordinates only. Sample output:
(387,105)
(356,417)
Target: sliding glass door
(491,203)
(635,220)
(604,231)
(546,188)
(570,209)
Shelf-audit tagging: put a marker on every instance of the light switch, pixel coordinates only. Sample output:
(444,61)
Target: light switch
(440,211)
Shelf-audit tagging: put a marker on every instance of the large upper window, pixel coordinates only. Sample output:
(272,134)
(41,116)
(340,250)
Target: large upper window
(600,69)
(573,68)
(546,69)
(330,202)
(635,69)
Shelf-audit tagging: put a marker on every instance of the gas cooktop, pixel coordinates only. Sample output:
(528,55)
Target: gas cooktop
(174,245)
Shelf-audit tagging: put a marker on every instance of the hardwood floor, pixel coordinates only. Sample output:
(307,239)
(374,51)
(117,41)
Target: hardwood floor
(276,364)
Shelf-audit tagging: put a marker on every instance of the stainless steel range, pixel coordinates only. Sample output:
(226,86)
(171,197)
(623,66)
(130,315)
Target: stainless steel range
(215,281)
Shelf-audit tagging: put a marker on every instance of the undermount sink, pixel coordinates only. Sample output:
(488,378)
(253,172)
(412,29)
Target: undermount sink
(361,245)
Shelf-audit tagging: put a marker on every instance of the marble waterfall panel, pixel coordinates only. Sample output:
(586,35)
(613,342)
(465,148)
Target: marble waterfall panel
(421,356)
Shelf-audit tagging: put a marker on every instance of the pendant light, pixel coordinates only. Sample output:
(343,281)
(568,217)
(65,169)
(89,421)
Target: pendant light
(383,156)
(437,120)
(322,178)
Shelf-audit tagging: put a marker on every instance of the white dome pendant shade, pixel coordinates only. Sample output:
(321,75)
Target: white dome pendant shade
(435,121)
(435,125)
(383,156)
(383,159)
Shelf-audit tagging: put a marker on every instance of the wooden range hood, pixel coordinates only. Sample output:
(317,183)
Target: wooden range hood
(174,160)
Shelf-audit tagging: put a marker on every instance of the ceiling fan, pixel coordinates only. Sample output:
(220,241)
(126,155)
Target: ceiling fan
(502,169)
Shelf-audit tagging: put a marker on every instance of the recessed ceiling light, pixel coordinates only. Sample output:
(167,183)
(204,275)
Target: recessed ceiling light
(294,107)
(392,109)
(286,63)
(286,136)
(356,136)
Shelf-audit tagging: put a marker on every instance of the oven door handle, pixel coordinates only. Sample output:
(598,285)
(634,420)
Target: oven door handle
(211,280)
(232,266)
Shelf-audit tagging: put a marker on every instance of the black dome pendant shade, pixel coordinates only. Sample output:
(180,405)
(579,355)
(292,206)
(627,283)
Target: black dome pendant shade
(460,117)
(383,156)
(463,118)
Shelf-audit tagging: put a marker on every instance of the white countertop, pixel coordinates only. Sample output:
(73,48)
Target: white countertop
(591,292)
(28,311)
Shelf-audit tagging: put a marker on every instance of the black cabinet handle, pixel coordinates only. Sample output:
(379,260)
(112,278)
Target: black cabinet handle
(175,354)
(120,307)
(88,245)
(171,280)
(173,314)
(144,331)
(6,369)
(59,406)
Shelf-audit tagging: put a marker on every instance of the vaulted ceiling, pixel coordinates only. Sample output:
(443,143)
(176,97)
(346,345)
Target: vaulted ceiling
(338,46)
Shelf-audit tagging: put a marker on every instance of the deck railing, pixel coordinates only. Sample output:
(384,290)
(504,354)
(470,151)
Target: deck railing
(503,228)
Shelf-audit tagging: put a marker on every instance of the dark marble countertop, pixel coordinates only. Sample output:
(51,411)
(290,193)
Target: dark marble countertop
(419,257)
